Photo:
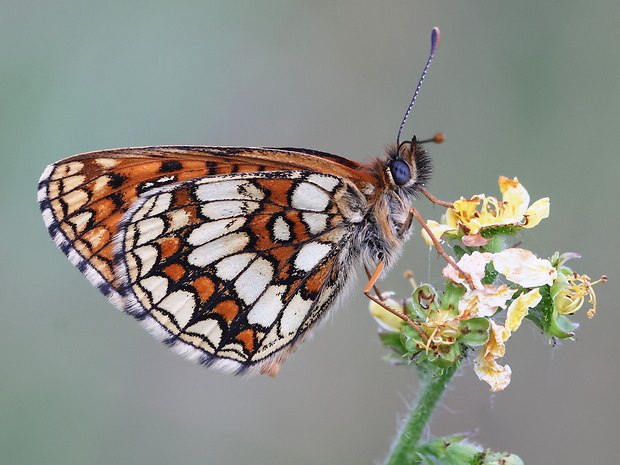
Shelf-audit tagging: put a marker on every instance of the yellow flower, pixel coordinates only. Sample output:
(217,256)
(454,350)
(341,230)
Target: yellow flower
(515,204)
(386,320)
(437,229)
(570,293)
(470,216)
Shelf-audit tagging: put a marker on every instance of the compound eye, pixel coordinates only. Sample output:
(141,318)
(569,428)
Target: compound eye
(401,173)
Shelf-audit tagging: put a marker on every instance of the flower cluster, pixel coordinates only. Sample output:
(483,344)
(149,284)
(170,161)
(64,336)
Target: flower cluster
(495,286)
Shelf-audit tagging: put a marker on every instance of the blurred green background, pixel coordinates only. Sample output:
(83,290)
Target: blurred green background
(528,89)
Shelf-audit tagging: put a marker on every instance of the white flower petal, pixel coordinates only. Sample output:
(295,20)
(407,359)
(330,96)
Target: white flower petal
(473,265)
(522,267)
(484,302)
(491,372)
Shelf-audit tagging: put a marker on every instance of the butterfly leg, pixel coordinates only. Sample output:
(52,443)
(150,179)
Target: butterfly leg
(372,281)
(378,293)
(413,213)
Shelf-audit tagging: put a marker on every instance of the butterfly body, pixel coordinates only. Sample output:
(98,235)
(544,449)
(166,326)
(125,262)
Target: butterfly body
(230,255)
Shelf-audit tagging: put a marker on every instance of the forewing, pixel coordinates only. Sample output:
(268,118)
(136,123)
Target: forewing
(232,270)
(84,198)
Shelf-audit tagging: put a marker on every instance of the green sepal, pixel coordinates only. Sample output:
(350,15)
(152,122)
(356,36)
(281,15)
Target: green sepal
(393,341)
(560,283)
(460,251)
(561,326)
(474,332)
(451,297)
(424,298)
(546,316)
(446,355)
(456,450)
(492,232)
(436,451)
(411,339)
(488,457)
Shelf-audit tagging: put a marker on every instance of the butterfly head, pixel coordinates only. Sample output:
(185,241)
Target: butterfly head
(408,167)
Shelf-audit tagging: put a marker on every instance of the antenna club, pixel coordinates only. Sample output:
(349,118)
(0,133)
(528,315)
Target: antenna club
(436,139)
(435,38)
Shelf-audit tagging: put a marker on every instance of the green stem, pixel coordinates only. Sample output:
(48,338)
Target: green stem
(432,388)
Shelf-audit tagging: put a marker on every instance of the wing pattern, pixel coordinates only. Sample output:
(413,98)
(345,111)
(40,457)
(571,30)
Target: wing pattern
(231,268)
(235,268)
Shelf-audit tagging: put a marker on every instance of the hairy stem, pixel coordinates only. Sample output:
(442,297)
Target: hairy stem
(432,388)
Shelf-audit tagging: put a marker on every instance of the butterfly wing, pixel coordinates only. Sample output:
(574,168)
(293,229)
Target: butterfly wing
(229,269)
(83,198)
(233,270)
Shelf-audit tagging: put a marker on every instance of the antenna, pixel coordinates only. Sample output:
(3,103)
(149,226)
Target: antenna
(435,36)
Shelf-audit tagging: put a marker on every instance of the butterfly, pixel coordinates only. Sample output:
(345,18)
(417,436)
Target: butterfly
(231,255)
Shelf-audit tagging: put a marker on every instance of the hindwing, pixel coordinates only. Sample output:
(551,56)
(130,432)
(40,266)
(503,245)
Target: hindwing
(236,268)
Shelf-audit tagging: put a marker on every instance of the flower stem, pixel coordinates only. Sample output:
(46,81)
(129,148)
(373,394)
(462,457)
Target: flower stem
(432,387)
